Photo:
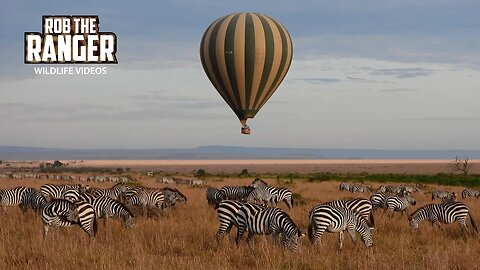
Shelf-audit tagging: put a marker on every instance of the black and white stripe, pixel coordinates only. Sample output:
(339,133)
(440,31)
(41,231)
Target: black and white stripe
(172,196)
(326,218)
(33,199)
(11,197)
(359,188)
(52,191)
(106,207)
(114,192)
(237,193)
(443,213)
(399,203)
(470,193)
(361,206)
(227,212)
(214,196)
(437,194)
(268,221)
(63,213)
(378,200)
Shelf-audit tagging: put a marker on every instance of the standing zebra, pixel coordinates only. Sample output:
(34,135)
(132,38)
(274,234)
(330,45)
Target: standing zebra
(470,193)
(262,195)
(258,183)
(227,212)
(114,192)
(443,213)
(360,206)
(272,194)
(11,197)
(214,196)
(337,219)
(359,188)
(152,198)
(439,194)
(268,221)
(450,198)
(399,203)
(237,193)
(63,213)
(106,207)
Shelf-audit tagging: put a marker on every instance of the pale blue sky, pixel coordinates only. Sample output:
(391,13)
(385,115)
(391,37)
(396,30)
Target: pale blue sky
(365,74)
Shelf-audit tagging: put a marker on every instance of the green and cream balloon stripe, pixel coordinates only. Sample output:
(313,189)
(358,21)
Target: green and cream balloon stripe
(246,56)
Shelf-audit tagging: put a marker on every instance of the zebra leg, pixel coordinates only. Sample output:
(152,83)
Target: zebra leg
(250,238)
(240,231)
(341,234)
(353,235)
(45,231)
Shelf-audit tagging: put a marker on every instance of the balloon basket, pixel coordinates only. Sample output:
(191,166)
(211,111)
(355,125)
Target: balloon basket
(246,130)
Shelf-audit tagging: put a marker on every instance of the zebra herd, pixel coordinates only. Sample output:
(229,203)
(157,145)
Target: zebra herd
(253,209)
(67,205)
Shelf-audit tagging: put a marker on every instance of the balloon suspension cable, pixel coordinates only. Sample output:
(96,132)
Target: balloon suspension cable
(245,128)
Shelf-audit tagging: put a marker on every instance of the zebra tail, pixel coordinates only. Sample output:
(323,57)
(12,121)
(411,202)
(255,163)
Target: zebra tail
(372,219)
(95,227)
(473,223)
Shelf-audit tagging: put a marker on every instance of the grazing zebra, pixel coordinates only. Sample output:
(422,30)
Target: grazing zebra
(106,207)
(470,193)
(410,188)
(450,198)
(378,200)
(262,195)
(443,213)
(114,192)
(172,195)
(237,193)
(34,199)
(381,189)
(214,196)
(272,194)
(337,219)
(344,186)
(394,189)
(53,191)
(399,203)
(439,194)
(63,213)
(11,197)
(360,206)
(153,198)
(359,188)
(268,221)
(258,183)
(227,214)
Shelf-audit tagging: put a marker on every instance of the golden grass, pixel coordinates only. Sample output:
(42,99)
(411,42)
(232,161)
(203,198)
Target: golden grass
(184,238)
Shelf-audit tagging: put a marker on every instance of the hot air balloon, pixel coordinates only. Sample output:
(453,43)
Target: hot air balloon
(246,56)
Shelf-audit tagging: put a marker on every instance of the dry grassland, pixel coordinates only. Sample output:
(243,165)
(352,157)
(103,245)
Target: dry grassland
(183,238)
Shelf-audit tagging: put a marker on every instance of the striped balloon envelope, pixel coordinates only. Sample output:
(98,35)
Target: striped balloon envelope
(246,56)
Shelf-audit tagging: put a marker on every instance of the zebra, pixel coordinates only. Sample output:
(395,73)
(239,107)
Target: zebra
(63,213)
(238,193)
(258,183)
(11,197)
(394,189)
(439,194)
(470,192)
(172,195)
(214,196)
(34,199)
(359,188)
(410,188)
(114,192)
(106,207)
(227,214)
(450,198)
(399,203)
(267,221)
(360,206)
(153,198)
(275,194)
(262,195)
(337,219)
(344,186)
(378,200)
(443,213)
(58,191)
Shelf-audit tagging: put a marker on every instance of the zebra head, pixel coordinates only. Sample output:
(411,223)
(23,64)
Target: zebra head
(413,219)
(128,222)
(409,198)
(258,183)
